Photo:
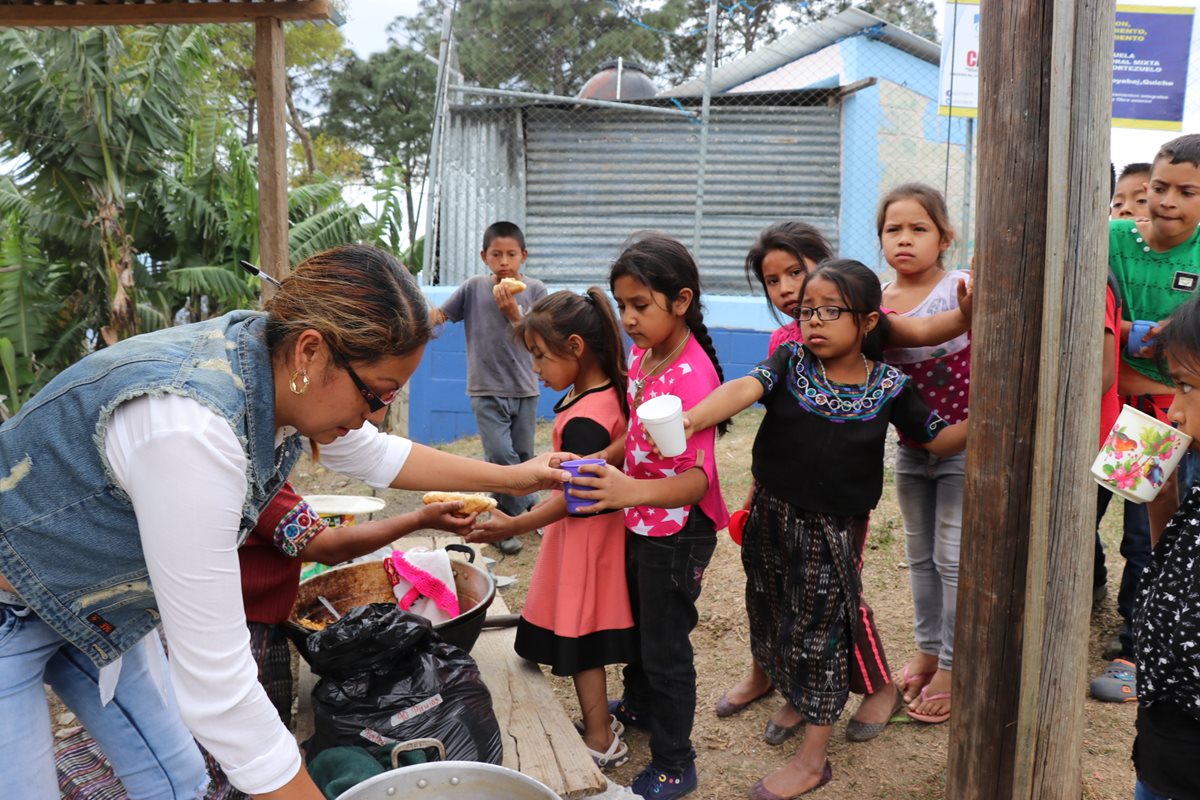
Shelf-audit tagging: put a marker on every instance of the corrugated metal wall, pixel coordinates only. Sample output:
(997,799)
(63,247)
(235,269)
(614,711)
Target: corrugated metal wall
(592,176)
(483,182)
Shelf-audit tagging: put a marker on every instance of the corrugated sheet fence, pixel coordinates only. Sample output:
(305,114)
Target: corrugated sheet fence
(580,180)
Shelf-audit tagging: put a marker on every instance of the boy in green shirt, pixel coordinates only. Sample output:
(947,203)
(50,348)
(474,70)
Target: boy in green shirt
(1157,265)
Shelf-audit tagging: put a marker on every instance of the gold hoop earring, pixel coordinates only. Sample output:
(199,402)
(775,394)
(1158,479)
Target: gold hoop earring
(303,376)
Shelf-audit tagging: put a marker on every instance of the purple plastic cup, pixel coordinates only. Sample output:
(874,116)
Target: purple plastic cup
(576,503)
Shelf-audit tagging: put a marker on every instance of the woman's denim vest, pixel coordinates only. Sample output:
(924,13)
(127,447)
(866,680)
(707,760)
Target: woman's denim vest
(69,540)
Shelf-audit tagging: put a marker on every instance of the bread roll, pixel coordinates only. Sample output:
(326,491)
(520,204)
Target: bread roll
(513,285)
(472,503)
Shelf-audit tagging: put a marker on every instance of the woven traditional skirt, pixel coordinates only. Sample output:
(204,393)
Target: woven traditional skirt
(802,590)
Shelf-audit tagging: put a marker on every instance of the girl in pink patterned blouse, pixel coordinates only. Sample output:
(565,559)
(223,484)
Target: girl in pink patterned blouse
(673,506)
(914,231)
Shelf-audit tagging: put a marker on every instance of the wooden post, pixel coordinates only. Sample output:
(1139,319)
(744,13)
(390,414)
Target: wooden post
(270,82)
(1024,588)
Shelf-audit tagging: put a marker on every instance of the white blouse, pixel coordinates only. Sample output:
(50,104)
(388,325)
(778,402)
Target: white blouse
(185,472)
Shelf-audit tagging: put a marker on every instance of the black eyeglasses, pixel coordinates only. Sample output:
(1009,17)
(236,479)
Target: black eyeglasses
(374,401)
(825,313)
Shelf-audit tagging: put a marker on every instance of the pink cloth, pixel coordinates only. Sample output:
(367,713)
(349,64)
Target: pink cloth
(423,582)
(690,377)
(787,333)
(942,374)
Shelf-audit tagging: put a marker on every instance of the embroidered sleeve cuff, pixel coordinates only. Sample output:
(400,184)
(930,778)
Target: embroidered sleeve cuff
(297,528)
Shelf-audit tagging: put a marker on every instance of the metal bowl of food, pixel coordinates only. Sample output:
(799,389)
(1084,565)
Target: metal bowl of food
(450,780)
(366,582)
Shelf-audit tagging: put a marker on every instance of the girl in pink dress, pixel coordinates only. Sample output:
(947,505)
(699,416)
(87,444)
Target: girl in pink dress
(673,506)
(577,616)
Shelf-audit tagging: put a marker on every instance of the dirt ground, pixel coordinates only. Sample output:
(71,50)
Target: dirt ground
(907,761)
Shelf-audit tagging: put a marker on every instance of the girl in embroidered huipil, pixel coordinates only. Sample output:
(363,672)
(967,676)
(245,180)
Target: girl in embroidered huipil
(828,402)
(576,616)
(673,506)
(914,231)
(1166,618)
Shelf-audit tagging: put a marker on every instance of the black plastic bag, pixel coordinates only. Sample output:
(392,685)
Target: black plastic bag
(386,677)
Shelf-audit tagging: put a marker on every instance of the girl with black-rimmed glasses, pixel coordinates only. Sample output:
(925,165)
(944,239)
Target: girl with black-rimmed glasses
(829,402)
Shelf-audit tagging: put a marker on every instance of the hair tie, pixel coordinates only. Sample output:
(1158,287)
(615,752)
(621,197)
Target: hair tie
(588,296)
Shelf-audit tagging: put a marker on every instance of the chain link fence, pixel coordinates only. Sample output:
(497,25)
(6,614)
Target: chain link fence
(584,122)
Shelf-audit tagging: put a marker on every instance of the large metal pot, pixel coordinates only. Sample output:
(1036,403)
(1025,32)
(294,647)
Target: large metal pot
(450,780)
(366,582)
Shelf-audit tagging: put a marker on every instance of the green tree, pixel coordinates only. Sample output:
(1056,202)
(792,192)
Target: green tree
(310,55)
(129,195)
(550,46)
(384,105)
(90,116)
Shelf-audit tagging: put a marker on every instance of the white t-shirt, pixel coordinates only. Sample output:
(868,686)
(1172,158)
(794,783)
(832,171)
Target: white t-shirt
(184,470)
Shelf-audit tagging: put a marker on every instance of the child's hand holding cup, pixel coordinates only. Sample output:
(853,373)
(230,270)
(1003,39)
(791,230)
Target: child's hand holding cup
(1138,456)
(1141,338)
(574,504)
(662,417)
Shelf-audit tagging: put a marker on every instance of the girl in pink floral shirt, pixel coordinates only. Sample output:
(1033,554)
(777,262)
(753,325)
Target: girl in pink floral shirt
(673,506)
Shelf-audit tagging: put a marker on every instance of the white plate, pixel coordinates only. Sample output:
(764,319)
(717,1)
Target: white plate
(334,505)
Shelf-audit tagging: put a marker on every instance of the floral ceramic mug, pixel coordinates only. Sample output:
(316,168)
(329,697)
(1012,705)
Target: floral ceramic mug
(1138,456)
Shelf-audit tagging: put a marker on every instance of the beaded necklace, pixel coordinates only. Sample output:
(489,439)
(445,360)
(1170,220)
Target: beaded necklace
(856,405)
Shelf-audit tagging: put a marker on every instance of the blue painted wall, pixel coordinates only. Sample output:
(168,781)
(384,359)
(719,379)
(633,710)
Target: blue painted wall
(440,411)
(863,121)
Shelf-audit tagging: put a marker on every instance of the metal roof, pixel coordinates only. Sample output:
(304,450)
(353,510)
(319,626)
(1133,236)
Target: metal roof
(806,41)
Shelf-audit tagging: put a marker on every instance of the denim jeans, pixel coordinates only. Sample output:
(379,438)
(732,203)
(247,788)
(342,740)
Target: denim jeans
(506,426)
(929,490)
(665,575)
(1140,792)
(142,734)
(1135,547)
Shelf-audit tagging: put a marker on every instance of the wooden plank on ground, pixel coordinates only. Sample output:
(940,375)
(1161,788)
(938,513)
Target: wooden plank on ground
(539,738)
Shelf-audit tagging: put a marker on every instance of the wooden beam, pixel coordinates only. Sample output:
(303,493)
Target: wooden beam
(183,13)
(270,81)
(1024,579)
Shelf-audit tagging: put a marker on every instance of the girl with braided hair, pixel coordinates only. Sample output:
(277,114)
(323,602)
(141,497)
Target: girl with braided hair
(673,506)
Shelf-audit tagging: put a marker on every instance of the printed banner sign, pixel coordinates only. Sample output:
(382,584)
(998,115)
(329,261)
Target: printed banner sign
(1151,49)
(958,81)
(1150,66)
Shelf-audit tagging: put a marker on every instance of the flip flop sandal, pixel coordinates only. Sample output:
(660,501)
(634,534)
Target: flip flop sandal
(905,679)
(931,719)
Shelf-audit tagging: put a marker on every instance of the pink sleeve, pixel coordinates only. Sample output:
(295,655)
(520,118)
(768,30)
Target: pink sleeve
(691,390)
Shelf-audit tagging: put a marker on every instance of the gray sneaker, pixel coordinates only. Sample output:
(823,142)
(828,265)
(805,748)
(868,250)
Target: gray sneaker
(510,546)
(1117,684)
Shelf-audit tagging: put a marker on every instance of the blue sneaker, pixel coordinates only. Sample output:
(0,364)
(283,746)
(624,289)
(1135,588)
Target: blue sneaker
(627,716)
(656,784)
(1117,684)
